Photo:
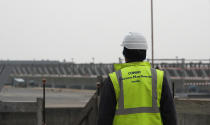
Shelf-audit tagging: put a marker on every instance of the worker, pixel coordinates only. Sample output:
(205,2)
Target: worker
(136,94)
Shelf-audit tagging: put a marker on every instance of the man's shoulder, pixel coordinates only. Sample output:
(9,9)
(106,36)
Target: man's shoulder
(107,84)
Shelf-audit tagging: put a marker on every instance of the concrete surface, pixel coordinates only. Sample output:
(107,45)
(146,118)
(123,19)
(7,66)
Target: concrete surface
(54,97)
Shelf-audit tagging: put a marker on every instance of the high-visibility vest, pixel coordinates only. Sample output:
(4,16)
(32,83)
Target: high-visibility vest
(138,89)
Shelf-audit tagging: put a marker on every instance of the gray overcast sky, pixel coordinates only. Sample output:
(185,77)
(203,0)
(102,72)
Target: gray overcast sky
(82,29)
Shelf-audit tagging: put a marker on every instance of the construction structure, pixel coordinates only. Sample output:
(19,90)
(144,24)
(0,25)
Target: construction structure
(186,75)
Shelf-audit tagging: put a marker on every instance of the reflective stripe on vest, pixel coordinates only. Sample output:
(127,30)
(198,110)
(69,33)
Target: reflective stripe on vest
(154,109)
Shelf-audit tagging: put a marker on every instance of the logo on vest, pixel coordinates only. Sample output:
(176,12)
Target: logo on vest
(135,72)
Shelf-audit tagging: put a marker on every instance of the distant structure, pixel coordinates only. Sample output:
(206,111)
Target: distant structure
(184,73)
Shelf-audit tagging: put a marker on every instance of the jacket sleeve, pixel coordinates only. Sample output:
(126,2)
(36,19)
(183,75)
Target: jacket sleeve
(167,107)
(107,104)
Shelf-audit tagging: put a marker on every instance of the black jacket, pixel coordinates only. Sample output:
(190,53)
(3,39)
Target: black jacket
(108,104)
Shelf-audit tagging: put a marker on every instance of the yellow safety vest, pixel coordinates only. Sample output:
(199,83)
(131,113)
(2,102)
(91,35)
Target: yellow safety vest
(138,89)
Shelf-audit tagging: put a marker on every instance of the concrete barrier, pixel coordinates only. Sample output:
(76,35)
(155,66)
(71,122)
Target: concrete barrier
(193,111)
(189,112)
(10,112)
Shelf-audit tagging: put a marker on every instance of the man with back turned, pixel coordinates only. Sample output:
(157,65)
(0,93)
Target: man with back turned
(136,94)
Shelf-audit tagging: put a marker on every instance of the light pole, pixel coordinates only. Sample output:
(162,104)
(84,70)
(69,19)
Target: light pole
(152,34)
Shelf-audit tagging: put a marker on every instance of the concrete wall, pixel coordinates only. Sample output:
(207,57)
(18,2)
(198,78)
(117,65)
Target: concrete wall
(193,111)
(54,116)
(62,116)
(18,118)
(18,113)
(190,112)
(193,119)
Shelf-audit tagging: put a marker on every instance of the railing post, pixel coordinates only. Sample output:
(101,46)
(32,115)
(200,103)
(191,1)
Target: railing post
(173,89)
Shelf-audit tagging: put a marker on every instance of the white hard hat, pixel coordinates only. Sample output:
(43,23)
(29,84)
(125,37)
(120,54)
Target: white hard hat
(134,41)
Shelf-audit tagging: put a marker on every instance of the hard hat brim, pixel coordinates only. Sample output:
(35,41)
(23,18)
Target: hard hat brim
(135,46)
